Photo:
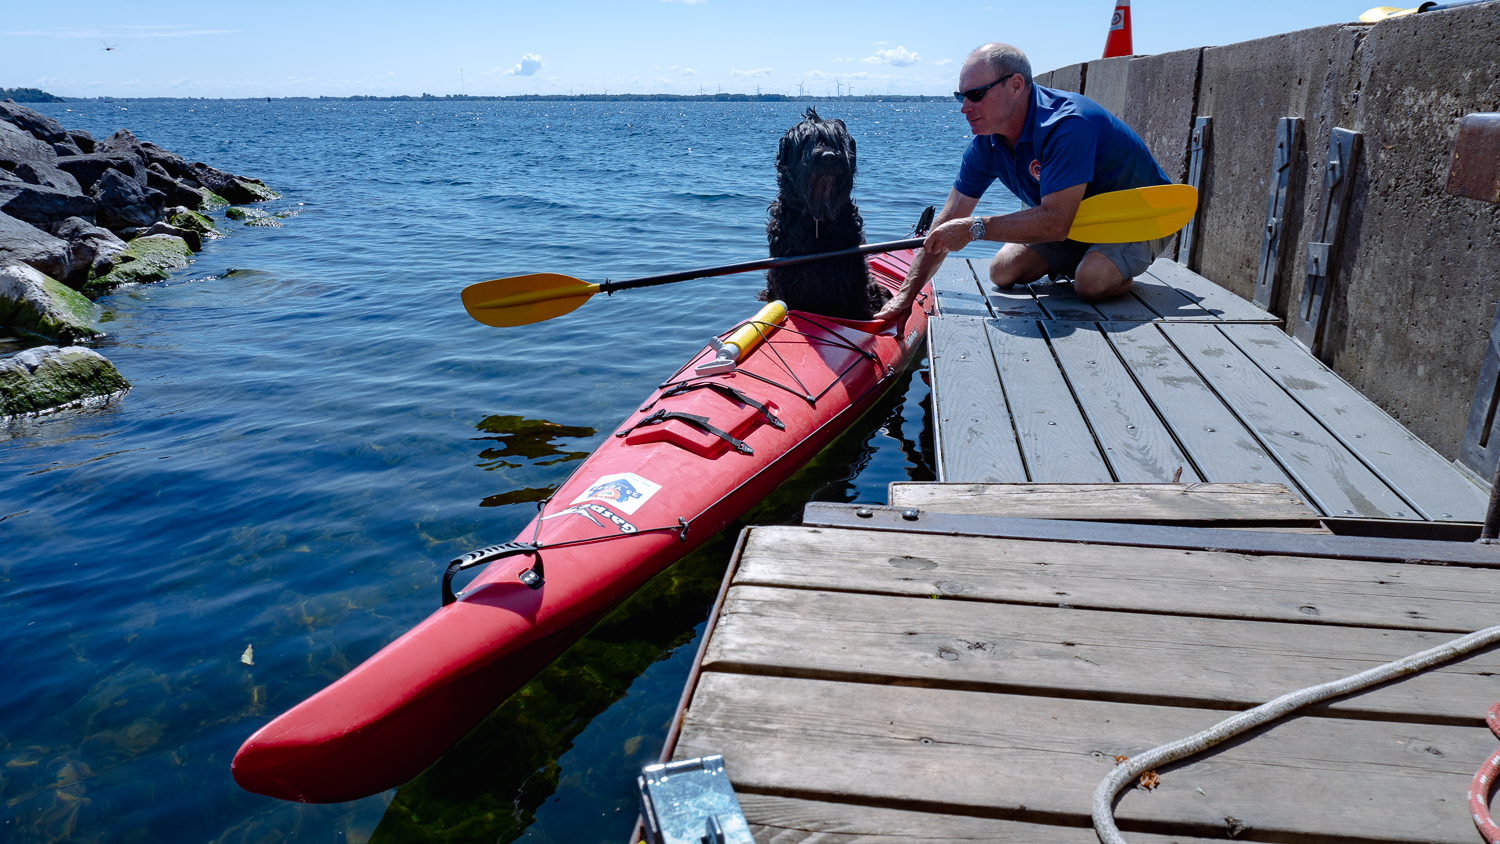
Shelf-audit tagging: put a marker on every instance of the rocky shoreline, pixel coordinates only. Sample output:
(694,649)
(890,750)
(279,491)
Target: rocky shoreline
(79,217)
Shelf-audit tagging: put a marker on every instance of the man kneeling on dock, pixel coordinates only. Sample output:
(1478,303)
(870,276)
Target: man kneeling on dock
(1052,149)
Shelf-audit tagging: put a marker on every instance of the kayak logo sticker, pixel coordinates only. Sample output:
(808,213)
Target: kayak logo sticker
(627,491)
(588,510)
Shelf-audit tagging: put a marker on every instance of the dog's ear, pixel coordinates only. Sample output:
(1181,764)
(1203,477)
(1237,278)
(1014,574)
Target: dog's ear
(811,114)
(785,151)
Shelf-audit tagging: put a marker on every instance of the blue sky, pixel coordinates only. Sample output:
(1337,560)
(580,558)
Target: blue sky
(278,48)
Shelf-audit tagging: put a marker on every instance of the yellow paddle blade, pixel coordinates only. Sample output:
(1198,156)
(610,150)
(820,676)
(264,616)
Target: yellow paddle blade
(1380,13)
(1129,216)
(524,299)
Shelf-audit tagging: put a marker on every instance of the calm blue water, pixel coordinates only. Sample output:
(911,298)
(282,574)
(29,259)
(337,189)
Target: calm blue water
(311,438)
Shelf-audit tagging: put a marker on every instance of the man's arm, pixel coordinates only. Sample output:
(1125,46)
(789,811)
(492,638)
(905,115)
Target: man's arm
(1046,223)
(927,261)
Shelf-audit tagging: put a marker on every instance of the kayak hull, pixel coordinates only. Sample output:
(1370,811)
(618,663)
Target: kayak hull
(643,500)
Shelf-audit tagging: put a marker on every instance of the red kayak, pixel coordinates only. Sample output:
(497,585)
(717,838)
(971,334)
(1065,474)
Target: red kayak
(702,450)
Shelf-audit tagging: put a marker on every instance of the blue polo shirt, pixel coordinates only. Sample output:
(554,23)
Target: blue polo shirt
(1068,140)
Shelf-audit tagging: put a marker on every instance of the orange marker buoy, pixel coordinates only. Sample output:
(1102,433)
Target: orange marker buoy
(1118,42)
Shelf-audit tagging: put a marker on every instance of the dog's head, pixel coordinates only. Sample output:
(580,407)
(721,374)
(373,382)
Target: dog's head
(815,164)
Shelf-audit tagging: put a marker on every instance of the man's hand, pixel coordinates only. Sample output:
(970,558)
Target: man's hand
(950,236)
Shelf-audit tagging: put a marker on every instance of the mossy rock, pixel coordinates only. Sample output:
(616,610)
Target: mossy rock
(145,259)
(46,377)
(211,200)
(237,213)
(258,190)
(264,222)
(38,304)
(193,221)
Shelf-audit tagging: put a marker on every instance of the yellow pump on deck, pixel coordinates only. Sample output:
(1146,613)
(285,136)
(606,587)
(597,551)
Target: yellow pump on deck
(733,349)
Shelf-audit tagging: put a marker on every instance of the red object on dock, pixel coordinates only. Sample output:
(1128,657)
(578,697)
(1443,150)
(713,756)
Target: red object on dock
(1119,43)
(647,496)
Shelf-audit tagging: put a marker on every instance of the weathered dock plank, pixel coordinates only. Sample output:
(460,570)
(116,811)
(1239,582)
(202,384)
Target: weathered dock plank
(1123,502)
(1136,442)
(975,438)
(1028,757)
(1428,482)
(1325,470)
(1060,301)
(1222,448)
(1193,583)
(958,292)
(1209,296)
(1055,439)
(1166,301)
(1128,308)
(790,820)
(1015,303)
(1207,663)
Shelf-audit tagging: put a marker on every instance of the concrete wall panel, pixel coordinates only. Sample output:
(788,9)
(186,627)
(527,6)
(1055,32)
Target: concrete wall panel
(1160,108)
(1246,88)
(1069,78)
(1107,83)
(1043,79)
(1421,273)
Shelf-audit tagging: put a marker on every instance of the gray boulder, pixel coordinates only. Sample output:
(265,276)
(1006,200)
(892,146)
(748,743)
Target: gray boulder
(235,189)
(89,167)
(124,203)
(43,207)
(177,193)
(67,148)
(34,123)
(17,148)
(48,377)
(122,142)
(23,243)
(95,249)
(7,176)
(42,305)
(81,139)
(190,237)
(175,165)
(48,177)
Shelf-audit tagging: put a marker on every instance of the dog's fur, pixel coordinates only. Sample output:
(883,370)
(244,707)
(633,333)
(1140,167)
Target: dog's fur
(814,212)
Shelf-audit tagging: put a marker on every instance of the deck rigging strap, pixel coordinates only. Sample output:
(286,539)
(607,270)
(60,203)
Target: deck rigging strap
(724,390)
(1127,771)
(699,422)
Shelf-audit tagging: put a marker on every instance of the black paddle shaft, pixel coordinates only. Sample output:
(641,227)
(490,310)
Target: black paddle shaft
(762,264)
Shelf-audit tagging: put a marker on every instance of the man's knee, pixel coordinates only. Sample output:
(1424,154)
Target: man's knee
(1098,279)
(1015,264)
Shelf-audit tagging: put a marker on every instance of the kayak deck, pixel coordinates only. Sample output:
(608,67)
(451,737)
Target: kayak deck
(697,453)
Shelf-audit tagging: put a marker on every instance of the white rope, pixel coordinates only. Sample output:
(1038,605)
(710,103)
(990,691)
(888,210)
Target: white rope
(1126,772)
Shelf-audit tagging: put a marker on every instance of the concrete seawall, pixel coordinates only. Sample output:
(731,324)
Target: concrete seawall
(1412,299)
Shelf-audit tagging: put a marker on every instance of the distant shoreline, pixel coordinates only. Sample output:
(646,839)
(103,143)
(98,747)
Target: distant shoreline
(529,98)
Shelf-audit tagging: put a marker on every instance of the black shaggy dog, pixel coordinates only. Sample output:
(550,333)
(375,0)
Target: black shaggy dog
(814,212)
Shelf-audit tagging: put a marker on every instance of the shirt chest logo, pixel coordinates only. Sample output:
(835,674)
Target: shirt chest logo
(1036,170)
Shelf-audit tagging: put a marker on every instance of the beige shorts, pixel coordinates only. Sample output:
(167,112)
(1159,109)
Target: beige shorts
(1063,257)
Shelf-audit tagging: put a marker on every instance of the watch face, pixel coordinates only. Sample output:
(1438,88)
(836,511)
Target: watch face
(976,231)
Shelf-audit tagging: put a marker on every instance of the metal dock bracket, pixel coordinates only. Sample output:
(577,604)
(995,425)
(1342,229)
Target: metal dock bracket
(1338,181)
(1283,165)
(1202,135)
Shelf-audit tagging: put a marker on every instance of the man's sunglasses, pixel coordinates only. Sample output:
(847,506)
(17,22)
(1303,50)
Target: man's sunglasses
(974,95)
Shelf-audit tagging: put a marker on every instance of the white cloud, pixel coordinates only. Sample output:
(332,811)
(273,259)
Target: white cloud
(752,74)
(900,57)
(881,43)
(942,62)
(530,64)
(687,71)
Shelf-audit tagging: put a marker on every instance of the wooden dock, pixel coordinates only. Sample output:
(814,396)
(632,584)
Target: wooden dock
(1180,380)
(898,674)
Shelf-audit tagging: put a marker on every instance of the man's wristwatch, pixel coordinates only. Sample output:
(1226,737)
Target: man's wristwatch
(976,230)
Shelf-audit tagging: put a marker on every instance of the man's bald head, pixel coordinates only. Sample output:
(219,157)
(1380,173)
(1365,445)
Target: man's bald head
(1001,60)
